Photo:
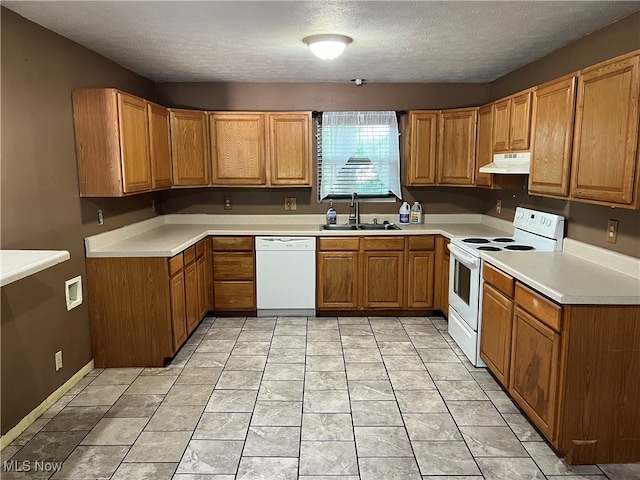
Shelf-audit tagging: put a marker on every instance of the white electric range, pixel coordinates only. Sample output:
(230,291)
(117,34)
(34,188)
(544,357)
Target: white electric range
(533,231)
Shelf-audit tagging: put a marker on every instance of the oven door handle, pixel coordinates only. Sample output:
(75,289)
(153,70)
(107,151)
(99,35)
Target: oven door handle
(463,256)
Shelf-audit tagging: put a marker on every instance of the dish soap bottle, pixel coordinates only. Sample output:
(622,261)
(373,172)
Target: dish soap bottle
(416,213)
(332,215)
(404,213)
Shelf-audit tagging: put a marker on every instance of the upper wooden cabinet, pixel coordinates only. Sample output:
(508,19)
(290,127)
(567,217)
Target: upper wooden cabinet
(420,147)
(189,152)
(159,145)
(112,143)
(261,149)
(511,123)
(484,145)
(605,150)
(554,105)
(290,153)
(457,146)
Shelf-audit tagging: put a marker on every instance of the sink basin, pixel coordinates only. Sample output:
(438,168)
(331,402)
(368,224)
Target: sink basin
(360,226)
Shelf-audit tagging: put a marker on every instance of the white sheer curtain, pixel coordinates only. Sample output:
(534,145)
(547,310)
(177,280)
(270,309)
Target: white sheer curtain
(372,135)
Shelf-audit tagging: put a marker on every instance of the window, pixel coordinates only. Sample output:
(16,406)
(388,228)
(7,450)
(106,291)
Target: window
(358,152)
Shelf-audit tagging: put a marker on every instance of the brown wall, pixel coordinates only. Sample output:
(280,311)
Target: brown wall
(41,208)
(585,222)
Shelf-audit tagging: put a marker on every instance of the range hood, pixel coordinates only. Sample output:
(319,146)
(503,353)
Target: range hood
(508,163)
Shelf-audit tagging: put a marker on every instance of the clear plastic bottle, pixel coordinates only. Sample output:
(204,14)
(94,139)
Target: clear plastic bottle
(332,215)
(416,213)
(404,213)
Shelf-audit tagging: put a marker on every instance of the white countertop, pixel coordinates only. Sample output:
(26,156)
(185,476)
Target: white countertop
(568,277)
(17,264)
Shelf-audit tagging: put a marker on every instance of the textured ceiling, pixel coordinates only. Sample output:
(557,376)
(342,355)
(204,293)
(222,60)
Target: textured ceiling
(393,41)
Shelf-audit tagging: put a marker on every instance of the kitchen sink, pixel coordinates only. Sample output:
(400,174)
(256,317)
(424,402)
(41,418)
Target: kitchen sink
(361,226)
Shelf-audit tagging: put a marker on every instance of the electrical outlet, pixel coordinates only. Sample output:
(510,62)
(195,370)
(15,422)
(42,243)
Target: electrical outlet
(612,231)
(290,203)
(58,359)
(100,217)
(499,207)
(153,205)
(227,202)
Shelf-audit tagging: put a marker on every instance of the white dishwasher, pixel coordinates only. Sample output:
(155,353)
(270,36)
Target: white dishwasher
(286,276)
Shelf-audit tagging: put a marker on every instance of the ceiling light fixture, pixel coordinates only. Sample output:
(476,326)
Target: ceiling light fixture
(327,46)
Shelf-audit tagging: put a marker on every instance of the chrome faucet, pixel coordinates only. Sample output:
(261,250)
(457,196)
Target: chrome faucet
(354,216)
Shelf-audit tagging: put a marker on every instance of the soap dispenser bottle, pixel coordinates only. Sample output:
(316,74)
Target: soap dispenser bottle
(332,215)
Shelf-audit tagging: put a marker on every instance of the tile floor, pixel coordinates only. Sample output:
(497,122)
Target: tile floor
(294,398)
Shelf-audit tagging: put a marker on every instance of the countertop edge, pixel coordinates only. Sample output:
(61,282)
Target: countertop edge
(24,263)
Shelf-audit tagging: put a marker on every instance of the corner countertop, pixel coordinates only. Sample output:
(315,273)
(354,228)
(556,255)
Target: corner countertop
(570,279)
(18,264)
(169,235)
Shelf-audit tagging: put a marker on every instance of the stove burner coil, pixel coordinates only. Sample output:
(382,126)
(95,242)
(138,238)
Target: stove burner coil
(475,240)
(503,240)
(519,247)
(489,249)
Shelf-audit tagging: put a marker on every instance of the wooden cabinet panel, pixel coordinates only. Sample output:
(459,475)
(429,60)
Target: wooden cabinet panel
(554,105)
(191,296)
(338,244)
(204,285)
(233,266)
(495,337)
(420,168)
(441,287)
(420,289)
(605,157)
(382,243)
(189,150)
(232,244)
(501,122)
(457,147)
(290,157)
(238,148)
(535,361)
(159,145)
(136,169)
(484,145)
(422,242)
(383,279)
(503,282)
(545,310)
(178,310)
(337,280)
(520,122)
(234,295)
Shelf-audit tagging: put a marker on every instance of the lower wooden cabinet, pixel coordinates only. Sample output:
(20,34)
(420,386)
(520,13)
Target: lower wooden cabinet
(142,309)
(234,286)
(375,273)
(441,290)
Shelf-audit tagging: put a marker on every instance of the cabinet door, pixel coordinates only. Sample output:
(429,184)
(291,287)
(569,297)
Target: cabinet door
(495,337)
(337,280)
(290,149)
(189,148)
(484,145)
(554,107)
(383,279)
(420,291)
(421,169)
(605,160)
(191,296)
(520,122)
(457,147)
(535,359)
(136,170)
(238,148)
(159,146)
(501,122)
(204,288)
(178,310)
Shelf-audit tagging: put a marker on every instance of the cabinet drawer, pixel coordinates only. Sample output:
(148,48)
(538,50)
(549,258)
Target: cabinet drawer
(201,247)
(383,243)
(544,310)
(234,296)
(498,279)
(422,242)
(233,244)
(189,255)
(175,264)
(233,266)
(338,244)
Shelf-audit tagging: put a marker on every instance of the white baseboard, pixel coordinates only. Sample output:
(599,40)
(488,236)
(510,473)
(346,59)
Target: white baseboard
(32,416)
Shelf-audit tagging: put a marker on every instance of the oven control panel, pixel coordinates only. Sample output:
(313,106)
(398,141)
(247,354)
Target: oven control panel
(546,224)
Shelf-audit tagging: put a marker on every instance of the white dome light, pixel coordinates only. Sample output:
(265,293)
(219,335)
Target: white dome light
(327,46)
